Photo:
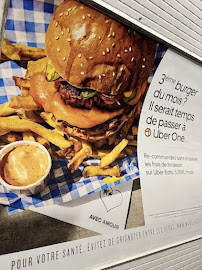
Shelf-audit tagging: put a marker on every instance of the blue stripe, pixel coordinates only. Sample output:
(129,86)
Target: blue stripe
(28,4)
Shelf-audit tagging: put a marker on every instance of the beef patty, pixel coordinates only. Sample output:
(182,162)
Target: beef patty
(74,97)
(111,125)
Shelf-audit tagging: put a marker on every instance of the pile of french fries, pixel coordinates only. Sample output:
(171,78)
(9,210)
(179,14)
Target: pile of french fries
(22,119)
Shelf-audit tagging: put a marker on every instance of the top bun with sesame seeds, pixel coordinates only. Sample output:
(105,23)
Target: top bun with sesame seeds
(91,50)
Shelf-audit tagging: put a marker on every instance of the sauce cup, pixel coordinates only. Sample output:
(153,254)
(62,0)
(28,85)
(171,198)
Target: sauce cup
(35,187)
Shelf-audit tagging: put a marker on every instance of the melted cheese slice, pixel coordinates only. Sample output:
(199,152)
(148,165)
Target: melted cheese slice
(46,95)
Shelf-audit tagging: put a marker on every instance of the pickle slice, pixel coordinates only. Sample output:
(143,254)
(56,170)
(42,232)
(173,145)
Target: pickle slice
(127,99)
(51,73)
(88,94)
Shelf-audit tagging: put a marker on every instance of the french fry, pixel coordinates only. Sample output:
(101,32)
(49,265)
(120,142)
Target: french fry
(130,137)
(108,159)
(100,143)
(129,150)
(26,103)
(47,117)
(21,82)
(3,57)
(70,152)
(112,139)
(85,152)
(113,179)
(77,146)
(21,52)
(91,171)
(28,136)
(21,125)
(134,130)
(59,131)
(36,66)
(27,52)
(72,139)
(65,153)
(100,153)
(117,141)
(5,110)
(30,115)
(24,91)
(9,50)
(10,137)
(132,142)
(50,151)
(42,141)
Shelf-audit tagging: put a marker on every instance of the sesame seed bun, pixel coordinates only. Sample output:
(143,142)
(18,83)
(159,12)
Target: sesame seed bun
(91,50)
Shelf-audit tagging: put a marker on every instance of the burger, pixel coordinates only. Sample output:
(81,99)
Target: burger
(96,73)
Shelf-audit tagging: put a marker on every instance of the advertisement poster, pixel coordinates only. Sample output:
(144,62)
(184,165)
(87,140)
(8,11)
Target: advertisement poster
(100,140)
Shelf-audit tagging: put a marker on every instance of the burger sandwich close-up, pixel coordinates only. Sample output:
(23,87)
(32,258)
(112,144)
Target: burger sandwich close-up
(96,73)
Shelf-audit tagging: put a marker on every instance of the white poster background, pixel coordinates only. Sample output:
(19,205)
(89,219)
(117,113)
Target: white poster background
(170,158)
(104,211)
